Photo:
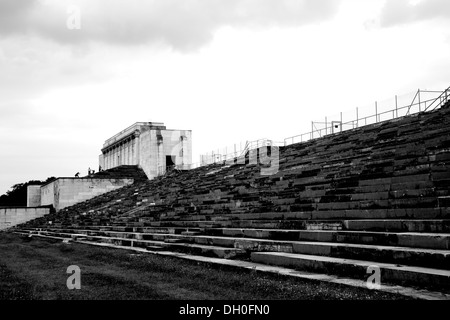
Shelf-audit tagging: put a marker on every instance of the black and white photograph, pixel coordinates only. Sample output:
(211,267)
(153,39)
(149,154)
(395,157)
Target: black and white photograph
(222,158)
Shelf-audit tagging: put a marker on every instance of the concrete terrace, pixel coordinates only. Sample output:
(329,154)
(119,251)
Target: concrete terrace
(373,196)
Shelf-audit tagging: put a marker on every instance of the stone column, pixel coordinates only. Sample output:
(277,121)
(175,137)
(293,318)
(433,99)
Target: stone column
(120,158)
(137,147)
(115,156)
(129,152)
(125,153)
(133,148)
(121,154)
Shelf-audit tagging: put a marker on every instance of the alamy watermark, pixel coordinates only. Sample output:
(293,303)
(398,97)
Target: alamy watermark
(74,281)
(73,21)
(374,280)
(268,157)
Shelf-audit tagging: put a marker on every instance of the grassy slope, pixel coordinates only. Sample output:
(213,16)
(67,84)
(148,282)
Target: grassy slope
(36,269)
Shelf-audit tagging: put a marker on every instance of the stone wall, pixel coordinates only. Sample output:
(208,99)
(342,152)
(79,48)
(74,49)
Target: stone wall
(34,196)
(147,145)
(157,144)
(65,192)
(178,143)
(10,217)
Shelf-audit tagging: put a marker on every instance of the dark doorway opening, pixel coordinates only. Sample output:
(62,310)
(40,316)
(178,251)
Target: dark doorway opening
(170,162)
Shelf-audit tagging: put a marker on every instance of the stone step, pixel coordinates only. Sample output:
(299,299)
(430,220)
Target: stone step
(177,245)
(190,233)
(387,254)
(439,241)
(406,213)
(384,253)
(410,239)
(415,293)
(329,214)
(335,216)
(378,225)
(174,240)
(403,225)
(165,230)
(204,250)
(411,256)
(358,269)
(362,201)
(199,226)
(154,248)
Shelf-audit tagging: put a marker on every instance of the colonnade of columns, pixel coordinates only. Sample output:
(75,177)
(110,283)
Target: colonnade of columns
(123,152)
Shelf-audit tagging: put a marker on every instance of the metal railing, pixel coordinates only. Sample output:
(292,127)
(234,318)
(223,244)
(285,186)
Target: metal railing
(441,100)
(417,105)
(234,151)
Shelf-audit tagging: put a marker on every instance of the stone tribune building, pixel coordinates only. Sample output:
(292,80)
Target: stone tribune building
(150,146)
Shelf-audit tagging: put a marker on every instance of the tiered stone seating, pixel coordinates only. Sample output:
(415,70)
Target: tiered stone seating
(124,171)
(376,195)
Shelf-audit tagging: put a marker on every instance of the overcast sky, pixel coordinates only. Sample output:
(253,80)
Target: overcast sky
(229,70)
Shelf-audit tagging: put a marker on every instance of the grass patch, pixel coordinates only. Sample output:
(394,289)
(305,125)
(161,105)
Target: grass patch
(36,269)
(12,287)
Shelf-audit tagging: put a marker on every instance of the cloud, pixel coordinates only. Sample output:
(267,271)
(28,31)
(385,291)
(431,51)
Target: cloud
(14,112)
(13,14)
(30,66)
(404,11)
(181,24)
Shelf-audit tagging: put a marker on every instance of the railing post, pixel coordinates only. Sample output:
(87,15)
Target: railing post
(341,121)
(418,93)
(396,107)
(326,126)
(312,130)
(357,117)
(376,111)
